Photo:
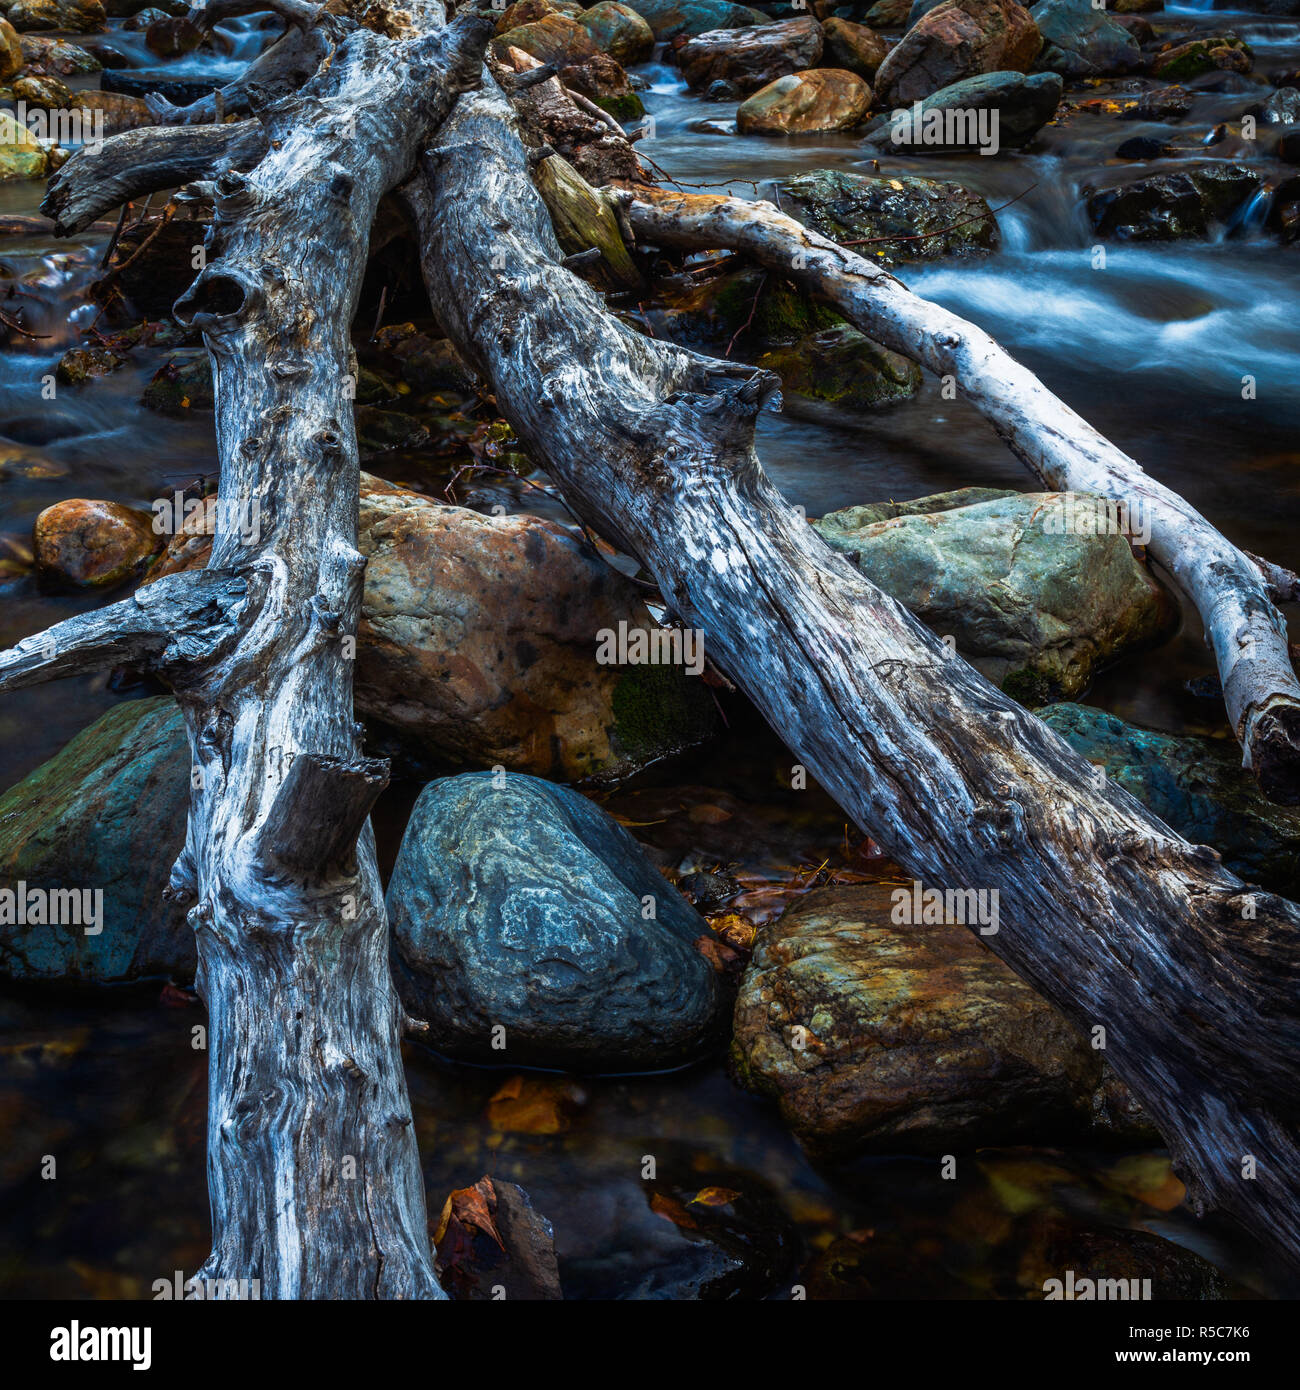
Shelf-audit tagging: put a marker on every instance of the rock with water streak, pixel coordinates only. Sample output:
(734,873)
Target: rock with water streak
(1195,785)
(820,99)
(957,39)
(1183,204)
(1033,600)
(93,545)
(519,906)
(106,815)
(746,59)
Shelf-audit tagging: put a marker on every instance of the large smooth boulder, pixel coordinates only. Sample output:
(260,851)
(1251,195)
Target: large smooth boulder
(1197,786)
(668,18)
(1079,41)
(931,219)
(519,905)
(1183,204)
(873,1032)
(618,30)
(107,813)
(820,99)
(957,39)
(746,59)
(949,120)
(479,640)
(1037,609)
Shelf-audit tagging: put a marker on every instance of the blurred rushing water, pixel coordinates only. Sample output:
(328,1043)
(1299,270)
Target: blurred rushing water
(1151,351)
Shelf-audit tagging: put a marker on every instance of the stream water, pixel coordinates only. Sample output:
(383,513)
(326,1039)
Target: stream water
(1151,349)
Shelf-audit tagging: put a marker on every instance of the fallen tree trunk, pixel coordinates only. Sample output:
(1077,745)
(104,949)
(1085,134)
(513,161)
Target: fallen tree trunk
(314,1177)
(1103,908)
(1060,449)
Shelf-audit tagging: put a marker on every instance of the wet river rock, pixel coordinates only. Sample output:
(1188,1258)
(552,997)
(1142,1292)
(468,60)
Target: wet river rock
(1184,204)
(1037,609)
(618,30)
(1080,41)
(1023,105)
(957,39)
(802,103)
(479,640)
(876,1036)
(87,544)
(519,906)
(1195,785)
(930,218)
(668,18)
(746,59)
(106,813)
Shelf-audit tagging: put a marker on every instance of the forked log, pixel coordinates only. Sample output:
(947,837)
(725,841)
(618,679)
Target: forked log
(1103,908)
(315,1181)
(1060,449)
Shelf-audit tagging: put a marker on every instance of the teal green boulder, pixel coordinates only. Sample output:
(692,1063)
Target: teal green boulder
(1197,786)
(107,815)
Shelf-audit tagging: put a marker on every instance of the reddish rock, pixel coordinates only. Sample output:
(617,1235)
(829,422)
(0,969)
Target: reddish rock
(960,38)
(93,545)
(747,59)
(819,99)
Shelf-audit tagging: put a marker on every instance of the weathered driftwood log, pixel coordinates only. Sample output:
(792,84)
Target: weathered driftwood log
(315,1181)
(1062,450)
(1119,921)
(139,162)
